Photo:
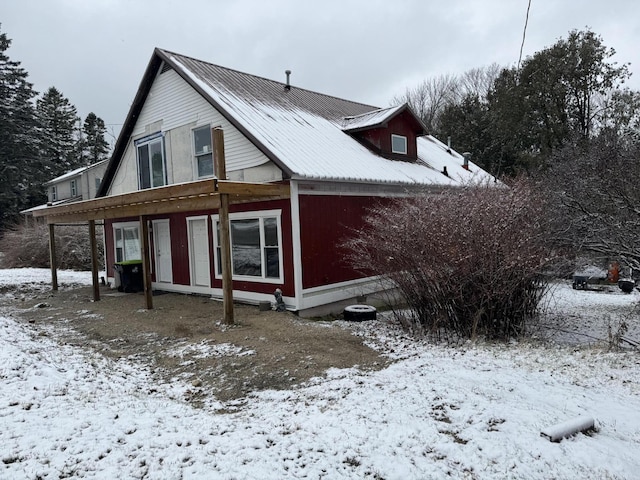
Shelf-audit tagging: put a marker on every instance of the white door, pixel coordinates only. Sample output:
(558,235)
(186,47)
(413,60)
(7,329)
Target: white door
(162,244)
(199,251)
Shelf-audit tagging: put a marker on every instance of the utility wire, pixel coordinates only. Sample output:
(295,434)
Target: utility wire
(524,34)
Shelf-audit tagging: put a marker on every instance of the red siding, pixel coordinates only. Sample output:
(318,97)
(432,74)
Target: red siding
(180,246)
(325,223)
(405,125)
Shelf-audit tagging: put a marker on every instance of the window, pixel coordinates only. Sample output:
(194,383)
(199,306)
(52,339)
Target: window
(74,188)
(98,181)
(202,146)
(54,193)
(255,246)
(127,241)
(399,144)
(151,162)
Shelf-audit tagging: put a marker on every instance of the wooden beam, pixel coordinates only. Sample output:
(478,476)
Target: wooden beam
(225,240)
(205,202)
(184,197)
(253,189)
(146,271)
(94,260)
(149,198)
(181,190)
(52,257)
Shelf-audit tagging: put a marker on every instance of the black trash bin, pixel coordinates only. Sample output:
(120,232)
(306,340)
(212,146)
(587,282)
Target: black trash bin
(130,273)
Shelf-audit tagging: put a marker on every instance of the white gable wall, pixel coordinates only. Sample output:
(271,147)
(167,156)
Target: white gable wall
(175,108)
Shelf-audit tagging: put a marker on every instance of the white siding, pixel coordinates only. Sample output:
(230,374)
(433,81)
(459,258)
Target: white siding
(175,108)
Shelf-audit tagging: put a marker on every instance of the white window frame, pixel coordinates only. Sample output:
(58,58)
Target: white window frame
(146,142)
(54,193)
(123,226)
(197,155)
(74,188)
(398,137)
(253,215)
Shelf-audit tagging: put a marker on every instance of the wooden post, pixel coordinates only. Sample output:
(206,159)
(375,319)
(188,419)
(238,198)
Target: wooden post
(144,252)
(52,257)
(225,240)
(94,260)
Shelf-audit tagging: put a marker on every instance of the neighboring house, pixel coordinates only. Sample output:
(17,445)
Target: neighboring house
(338,157)
(79,184)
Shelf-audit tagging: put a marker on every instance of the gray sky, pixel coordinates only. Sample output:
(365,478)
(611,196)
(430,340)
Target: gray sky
(95,51)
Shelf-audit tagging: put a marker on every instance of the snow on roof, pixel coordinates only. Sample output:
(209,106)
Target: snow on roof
(50,204)
(304,130)
(73,173)
(370,119)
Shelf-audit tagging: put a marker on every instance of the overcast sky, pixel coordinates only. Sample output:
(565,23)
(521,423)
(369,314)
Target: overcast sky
(95,51)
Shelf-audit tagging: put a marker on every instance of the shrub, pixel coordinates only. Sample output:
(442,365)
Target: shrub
(27,245)
(468,261)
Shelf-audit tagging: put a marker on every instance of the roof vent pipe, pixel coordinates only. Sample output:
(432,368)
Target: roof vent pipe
(288,85)
(466,156)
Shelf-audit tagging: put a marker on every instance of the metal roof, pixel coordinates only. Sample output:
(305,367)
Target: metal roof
(305,133)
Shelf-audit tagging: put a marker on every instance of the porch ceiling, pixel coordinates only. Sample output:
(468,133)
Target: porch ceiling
(184,197)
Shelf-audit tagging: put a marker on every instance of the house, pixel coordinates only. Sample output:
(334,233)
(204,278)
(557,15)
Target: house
(76,185)
(336,158)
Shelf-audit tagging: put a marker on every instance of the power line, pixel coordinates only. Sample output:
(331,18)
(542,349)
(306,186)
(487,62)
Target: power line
(524,34)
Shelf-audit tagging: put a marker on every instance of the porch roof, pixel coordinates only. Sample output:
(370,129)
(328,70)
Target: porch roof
(184,197)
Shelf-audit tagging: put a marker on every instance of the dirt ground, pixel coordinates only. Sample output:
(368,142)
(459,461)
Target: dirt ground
(183,339)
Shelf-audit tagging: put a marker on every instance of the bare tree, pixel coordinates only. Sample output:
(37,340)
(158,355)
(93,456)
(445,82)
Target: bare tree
(478,81)
(429,98)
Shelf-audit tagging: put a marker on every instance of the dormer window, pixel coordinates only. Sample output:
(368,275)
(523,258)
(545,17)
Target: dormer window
(74,188)
(399,144)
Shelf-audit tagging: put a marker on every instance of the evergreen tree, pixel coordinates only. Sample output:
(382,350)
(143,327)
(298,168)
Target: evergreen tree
(59,139)
(20,167)
(94,146)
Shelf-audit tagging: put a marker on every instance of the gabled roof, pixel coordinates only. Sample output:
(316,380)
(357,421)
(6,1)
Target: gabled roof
(377,118)
(299,130)
(73,173)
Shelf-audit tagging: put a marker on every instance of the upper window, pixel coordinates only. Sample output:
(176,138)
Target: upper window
(98,180)
(399,144)
(203,151)
(127,241)
(74,188)
(152,171)
(256,252)
(54,193)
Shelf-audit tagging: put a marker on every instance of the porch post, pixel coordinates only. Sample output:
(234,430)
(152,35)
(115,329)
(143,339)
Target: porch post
(52,257)
(225,241)
(94,260)
(144,253)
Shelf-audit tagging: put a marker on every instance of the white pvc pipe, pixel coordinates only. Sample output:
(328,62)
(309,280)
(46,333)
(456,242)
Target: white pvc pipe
(557,432)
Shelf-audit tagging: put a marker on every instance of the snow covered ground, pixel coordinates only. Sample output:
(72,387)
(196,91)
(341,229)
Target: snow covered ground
(473,412)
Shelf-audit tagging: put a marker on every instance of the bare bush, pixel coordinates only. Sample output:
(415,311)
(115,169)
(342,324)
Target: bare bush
(27,245)
(468,262)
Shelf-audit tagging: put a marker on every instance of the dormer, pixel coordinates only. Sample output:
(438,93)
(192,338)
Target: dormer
(389,132)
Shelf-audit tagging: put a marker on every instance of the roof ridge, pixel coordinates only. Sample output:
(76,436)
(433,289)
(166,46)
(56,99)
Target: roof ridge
(259,77)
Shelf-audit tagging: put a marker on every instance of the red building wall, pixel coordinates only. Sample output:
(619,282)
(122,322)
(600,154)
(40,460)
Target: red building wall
(404,124)
(180,246)
(326,222)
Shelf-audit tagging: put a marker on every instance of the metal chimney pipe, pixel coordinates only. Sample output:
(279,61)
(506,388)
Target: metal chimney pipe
(288,85)
(466,156)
